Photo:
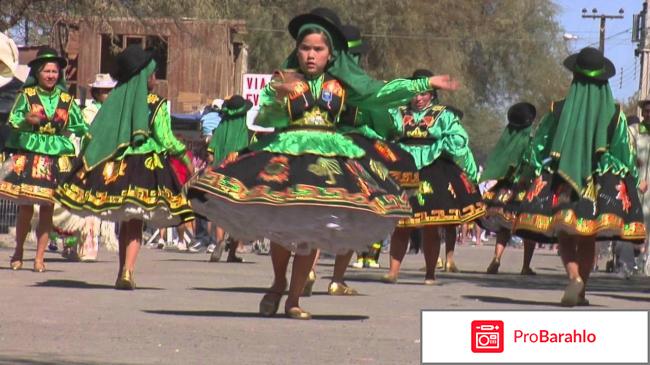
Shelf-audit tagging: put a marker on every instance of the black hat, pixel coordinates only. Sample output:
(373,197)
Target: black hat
(236,102)
(420,73)
(632,120)
(590,63)
(327,18)
(47,54)
(643,103)
(521,115)
(130,62)
(353,37)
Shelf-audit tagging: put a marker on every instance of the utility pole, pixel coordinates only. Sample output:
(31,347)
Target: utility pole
(639,34)
(603,19)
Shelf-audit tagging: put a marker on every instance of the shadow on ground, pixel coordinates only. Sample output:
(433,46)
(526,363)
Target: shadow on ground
(324,317)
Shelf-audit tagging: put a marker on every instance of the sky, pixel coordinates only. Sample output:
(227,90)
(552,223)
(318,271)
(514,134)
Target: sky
(618,37)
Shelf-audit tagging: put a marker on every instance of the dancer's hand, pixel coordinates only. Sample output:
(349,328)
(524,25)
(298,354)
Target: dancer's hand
(33,118)
(285,82)
(444,82)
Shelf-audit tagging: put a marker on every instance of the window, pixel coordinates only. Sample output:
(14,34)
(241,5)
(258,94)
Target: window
(113,44)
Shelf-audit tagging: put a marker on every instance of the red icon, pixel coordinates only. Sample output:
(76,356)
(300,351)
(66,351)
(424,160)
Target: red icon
(487,336)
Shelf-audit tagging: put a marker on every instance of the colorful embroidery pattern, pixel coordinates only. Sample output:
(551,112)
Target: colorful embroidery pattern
(277,170)
(535,189)
(326,167)
(385,151)
(42,167)
(112,171)
(623,197)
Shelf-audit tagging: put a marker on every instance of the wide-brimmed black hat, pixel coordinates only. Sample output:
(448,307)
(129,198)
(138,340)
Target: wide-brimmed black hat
(47,54)
(236,102)
(521,115)
(590,63)
(353,37)
(327,18)
(130,62)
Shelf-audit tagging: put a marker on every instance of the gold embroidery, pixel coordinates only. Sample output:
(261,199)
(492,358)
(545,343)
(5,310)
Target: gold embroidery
(47,129)
(42,167)
(65,97)
(276,170)
(64,164)
(379,169)
(152,162)
(152,98)
(326,167)
(111,173)
(30,91)
(19,163)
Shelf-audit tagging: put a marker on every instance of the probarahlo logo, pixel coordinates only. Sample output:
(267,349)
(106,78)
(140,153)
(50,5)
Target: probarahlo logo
(487,336)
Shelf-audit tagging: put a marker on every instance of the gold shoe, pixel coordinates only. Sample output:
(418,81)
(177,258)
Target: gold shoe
(450,266)
(39,266)
(309,284)
(341,289)
(571,296)
(439,264)
(297,313)
(388,279)
(269,304)
(493,268)
(16,264)
(125,281)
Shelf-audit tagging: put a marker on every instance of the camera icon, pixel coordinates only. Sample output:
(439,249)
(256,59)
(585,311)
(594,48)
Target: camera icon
(487,336)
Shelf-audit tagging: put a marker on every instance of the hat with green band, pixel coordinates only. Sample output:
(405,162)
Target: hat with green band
(590,63)
(353,37)
(47,54)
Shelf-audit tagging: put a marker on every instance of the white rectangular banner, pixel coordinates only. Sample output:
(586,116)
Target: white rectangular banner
(593,336)
(252,85)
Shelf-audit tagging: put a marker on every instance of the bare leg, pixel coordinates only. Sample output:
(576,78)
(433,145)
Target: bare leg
(585,257)
(123,243)
(431,249)
(529,249)
(503,236)
(280,260)
(43,234)
(134,240)
(569,253)
(398,243)
(299,272)
(450,246)
(23,226)
(340,265)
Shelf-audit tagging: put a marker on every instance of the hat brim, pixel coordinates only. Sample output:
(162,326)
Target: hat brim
(362,49)
(35,63)
(120,77)
(608,71)
(642,103)
(333,29)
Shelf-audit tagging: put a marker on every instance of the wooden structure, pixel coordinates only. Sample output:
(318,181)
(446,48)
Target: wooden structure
(199,60)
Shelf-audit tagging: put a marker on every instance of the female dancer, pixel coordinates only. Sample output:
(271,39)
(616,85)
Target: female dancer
(307,186)
(584,186)
(505,166)
(37,153)
(447,194)
(123,173)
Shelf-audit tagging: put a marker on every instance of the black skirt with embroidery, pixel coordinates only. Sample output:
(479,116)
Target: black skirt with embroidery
(445,196)
(142,187)
(399,163)
(301,201)
(30,178)
(610,210)
(502,204)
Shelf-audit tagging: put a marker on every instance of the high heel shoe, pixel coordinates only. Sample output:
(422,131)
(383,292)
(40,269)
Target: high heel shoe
(388,279)
(309,284)
(297,313)
(39,266)
(572,292)
(493,268)
(341,289)
(15,263)
(450,266)
(125,281)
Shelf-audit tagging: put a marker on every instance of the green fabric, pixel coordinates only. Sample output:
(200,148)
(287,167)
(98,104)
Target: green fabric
(361,89)
(23,138)
(451,139)
(121,122)
(161,139)
(231,135)
(507,154)
(619,158)
(582,131)
(300,142)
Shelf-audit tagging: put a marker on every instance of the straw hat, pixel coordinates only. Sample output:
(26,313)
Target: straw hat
(103,81)
(8,56)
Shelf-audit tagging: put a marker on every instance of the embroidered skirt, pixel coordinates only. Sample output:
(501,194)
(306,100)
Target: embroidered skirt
(399,163)
(301,201)
(445,196)
(609,210)
(30,178)
(142,187)
(502,204)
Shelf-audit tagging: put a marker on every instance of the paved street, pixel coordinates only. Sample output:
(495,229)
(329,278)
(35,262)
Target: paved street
(189,311)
